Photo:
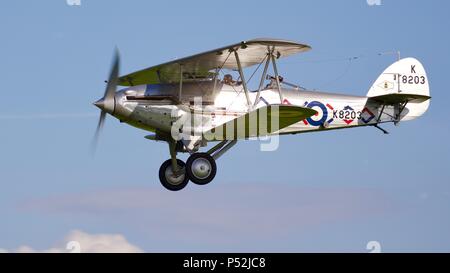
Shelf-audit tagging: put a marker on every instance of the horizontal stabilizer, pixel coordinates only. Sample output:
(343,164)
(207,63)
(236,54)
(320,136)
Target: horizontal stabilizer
(396,98)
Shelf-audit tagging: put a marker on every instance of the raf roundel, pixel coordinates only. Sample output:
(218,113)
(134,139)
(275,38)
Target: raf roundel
(322,113)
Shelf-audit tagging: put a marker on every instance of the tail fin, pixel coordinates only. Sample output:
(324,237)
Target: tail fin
(403,84)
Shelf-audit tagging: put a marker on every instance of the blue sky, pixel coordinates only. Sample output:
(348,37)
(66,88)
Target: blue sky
(333,191)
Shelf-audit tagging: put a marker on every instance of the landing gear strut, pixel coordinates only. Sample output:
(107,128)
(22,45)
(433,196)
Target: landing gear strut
(201,167)
(172,173)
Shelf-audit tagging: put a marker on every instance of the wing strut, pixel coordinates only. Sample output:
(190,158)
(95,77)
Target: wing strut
(263,77)
(244,83)
(275,70)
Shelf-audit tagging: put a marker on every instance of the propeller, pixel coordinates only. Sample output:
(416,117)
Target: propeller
(106,104)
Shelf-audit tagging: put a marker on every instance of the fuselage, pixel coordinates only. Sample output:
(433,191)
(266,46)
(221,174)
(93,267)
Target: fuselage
(154,107)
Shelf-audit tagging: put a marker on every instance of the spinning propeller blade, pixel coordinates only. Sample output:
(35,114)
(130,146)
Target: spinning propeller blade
(106,104)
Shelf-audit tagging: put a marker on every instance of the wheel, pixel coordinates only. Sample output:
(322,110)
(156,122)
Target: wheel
(201,168)
(169,180)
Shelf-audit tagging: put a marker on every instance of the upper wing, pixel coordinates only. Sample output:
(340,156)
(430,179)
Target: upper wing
(199,66)
(263,121)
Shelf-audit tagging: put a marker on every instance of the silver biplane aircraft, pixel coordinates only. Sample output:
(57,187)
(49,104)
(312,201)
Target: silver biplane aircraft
(187,104)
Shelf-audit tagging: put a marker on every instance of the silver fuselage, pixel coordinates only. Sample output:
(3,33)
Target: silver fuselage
(152,107)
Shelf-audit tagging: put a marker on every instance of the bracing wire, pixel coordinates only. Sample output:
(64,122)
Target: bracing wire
(349,60)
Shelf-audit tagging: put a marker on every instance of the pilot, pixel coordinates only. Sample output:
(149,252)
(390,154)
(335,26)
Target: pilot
(228,79)
(273,82)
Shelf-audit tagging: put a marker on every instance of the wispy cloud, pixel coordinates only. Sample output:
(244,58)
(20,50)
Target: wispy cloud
(79,241)
(228,214)
(48,116)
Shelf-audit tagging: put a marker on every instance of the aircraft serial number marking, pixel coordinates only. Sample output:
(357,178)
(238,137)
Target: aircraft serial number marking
(346,114)
(413,79)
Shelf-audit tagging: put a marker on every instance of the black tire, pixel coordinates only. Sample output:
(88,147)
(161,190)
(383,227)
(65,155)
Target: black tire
(211,169)
(177,184)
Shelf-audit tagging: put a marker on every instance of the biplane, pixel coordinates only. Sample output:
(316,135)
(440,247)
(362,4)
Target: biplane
(190,102)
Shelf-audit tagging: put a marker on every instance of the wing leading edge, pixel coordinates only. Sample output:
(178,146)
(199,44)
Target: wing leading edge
(251,52)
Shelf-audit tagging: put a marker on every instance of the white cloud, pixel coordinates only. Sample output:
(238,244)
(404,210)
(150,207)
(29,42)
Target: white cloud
(79,241)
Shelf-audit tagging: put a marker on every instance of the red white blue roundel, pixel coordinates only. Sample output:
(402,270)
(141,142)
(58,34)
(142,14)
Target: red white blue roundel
(322,113)
(321,116)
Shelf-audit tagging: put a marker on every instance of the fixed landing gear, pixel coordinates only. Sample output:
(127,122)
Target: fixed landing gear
(200,168)
(172,173)
(171,180)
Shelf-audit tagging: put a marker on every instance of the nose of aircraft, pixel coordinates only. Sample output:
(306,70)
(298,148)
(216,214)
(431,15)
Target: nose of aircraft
(100,103)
